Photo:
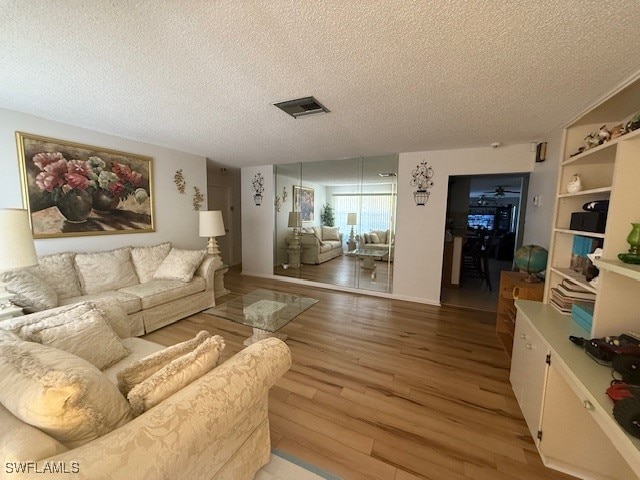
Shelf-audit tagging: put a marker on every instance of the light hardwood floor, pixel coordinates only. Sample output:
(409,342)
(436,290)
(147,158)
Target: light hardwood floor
(387,389)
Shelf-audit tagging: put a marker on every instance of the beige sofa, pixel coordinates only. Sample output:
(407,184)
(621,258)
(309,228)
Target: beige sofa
(215,427)
(385,242)
(127,275)
(318,244)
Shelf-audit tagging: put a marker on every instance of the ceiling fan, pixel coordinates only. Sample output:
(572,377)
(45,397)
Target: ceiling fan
(500,191)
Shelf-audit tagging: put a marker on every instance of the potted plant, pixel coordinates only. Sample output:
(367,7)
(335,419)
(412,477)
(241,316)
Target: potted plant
(326,217)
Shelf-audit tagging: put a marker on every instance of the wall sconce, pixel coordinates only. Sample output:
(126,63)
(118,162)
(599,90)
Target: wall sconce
(278,201)
(421,178)
(258,188)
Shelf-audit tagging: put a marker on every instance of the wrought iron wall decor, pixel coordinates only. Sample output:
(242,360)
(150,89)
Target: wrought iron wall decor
(421,178)
(258,188)
(279,200)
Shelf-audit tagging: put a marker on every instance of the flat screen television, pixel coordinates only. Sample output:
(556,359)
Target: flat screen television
(481,221)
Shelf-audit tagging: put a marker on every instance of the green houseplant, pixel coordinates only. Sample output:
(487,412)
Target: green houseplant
(326,217)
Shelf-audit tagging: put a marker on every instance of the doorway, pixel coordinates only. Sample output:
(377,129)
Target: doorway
(219,198)
(485,221)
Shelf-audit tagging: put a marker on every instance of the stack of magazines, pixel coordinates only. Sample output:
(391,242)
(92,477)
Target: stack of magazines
(567,293)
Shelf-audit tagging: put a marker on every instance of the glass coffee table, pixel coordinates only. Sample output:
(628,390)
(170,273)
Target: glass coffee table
(368,256)
(265,311)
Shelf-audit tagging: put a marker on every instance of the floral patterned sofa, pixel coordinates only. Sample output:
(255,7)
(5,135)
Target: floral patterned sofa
(214,427)
(157,285)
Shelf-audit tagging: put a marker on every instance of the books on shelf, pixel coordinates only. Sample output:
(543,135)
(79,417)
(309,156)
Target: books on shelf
(567,293)
(573,290)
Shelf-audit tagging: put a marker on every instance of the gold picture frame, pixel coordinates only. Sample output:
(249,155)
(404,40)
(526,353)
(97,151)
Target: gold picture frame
(71,189)
(304,202)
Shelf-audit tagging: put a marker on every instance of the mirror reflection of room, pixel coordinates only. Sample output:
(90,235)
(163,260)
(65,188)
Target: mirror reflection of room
(483,230)
(338,225)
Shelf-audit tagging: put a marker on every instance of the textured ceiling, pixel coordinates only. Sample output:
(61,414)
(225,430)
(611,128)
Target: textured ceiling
(397,75)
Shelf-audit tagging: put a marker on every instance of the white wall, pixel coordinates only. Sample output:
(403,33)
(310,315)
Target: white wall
(257,223)
(175,219)
(543,182)
(420,230)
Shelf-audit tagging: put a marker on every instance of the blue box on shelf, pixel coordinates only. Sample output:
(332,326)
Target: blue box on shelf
(582,314)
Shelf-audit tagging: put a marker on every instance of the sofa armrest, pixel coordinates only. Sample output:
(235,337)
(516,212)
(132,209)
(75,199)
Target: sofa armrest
(309,239)
(207,269)
(195,431)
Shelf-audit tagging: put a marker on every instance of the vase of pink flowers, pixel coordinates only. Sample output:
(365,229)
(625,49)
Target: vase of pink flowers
(67,182)
(77,186)
(114,183)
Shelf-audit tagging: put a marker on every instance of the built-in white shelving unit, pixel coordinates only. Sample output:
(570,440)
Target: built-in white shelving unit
(563,401)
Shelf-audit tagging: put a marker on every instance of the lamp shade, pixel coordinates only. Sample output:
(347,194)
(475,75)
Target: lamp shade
(211,224)
(16,242)
(352,219)
(295,220)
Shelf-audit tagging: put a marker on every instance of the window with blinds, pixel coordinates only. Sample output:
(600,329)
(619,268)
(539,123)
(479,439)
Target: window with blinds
(374,210)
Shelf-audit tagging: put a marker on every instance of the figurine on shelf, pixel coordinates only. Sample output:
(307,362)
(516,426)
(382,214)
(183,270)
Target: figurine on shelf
(617,131)
(634,123)
(604,135)
(591,140)
(575,184)
(580,150)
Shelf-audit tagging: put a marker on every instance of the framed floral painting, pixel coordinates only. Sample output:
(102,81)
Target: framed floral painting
(304,202)
(72,189)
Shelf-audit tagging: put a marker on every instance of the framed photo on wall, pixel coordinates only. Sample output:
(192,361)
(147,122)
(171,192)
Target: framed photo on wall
(304,202)
(71,189)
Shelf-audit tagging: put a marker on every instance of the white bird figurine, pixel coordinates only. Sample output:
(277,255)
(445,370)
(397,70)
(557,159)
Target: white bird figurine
(575,184)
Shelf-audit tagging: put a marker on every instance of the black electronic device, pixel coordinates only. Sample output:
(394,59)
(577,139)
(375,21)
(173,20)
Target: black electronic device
(594,222)
(626,408)
(606,349)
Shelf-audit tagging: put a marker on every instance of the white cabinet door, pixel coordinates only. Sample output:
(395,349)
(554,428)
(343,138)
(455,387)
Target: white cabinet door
(529,371)
(572,441)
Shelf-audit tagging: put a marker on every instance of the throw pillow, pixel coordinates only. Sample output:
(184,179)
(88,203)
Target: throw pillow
(146,260)
(382,235)
(330,233)
(59,393)
(367,238)
(88,336)
(29,291)
(142,369)
(102,271)
(114,314)
(179,265)
(374,238)
(176,375)
(59,272)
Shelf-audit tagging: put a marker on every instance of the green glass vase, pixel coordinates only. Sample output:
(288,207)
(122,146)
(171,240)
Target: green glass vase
(633,239)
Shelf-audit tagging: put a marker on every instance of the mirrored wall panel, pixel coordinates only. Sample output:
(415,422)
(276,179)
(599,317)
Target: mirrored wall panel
(335,221)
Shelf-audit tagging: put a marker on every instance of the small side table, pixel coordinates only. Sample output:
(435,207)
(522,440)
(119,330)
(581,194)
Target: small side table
(10,311)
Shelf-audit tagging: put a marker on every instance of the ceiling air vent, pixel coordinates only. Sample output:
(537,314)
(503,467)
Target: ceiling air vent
(301,107)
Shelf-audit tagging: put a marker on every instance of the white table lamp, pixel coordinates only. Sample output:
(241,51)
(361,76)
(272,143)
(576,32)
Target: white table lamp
(17,249)
(352,219)
(212,226)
